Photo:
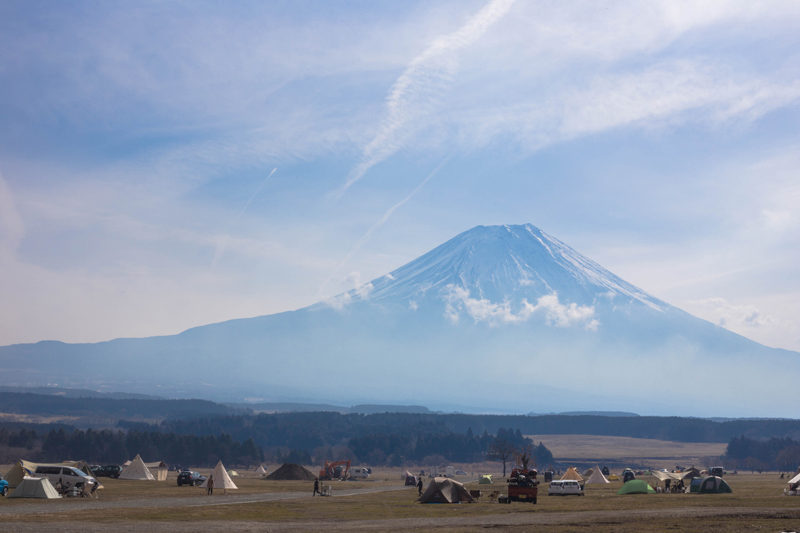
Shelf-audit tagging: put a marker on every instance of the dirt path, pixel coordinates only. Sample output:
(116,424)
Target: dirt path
(598,520)
(80,504)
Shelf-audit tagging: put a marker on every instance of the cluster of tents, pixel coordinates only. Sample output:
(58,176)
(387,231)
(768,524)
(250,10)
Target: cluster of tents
(137,469)
(446,490)
(23,480)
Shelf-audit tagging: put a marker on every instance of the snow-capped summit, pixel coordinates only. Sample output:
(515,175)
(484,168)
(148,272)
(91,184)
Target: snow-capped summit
(507,263)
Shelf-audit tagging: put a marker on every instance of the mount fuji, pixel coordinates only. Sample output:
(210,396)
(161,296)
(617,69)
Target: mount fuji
(497,319)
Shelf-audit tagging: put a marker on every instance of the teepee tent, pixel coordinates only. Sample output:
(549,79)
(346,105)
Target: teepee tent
(137,470)
(221,478)
(261,471)
(572,474)
(35,487)
(445,490)
(597,477)
(158,469)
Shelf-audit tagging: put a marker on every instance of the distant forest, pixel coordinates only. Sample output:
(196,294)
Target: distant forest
(199,432)
(770,454)
(309,430)
(116,446)
(188,416)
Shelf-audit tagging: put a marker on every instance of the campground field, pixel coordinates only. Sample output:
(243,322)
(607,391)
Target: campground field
(384,504)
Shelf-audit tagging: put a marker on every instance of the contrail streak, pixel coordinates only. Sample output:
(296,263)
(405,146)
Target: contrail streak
(223,244)
(381,221)
(415,93)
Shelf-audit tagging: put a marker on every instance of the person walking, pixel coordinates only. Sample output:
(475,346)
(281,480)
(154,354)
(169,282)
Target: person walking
(419,485)
(316,488)
(210,485)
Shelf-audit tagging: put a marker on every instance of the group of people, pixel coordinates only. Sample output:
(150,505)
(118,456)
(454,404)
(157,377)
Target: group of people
(78,490)
(674,488)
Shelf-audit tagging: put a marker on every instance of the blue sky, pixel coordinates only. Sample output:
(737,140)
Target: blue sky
(170,164)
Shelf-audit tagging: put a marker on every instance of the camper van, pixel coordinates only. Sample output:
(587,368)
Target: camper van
(68,476)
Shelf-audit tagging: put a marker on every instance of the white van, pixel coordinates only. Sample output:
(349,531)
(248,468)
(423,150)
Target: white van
(565,487)
(359,472)
(68,476)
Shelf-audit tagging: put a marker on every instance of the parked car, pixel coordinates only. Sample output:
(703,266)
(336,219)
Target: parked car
(190,477)
(65,477)
(565,487)
(106,470)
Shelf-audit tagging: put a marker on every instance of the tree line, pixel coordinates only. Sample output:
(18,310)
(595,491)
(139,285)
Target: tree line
(777,453)
(389,446)
(116,447)
(310,429)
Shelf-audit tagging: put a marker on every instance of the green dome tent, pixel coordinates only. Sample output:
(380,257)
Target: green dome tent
(710,485)
(636,486)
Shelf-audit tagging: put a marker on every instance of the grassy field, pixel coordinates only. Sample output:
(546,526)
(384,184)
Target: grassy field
(652,452)
(757,503)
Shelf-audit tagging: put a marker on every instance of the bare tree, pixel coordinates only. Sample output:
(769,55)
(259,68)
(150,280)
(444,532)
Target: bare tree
(502,450)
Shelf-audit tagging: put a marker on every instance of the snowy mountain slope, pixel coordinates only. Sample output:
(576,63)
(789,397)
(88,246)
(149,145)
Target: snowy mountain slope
(500,262)
(499,317)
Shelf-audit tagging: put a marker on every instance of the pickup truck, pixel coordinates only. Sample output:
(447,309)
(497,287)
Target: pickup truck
(522,486)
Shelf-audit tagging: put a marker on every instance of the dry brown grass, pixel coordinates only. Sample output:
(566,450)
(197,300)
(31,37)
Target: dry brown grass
(757,502)
(655,453)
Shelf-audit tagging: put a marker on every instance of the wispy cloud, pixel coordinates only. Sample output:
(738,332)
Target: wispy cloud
(732,316)
(417,91)
(663,95)
(360,291)
(555,313)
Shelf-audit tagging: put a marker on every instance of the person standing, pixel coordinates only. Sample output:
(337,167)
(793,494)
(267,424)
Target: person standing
(419,485)
(210,485)
(316,488)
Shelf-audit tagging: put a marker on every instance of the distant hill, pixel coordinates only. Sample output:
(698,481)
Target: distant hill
(79,393)
(597,413)
(294,407)
(87,411)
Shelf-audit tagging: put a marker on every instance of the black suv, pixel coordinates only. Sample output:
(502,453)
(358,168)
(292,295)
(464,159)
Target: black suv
(106,471)
(189,477)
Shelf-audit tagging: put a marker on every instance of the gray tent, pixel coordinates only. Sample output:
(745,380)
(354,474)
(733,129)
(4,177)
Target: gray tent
(35,487)
(710,485)
(444,490)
